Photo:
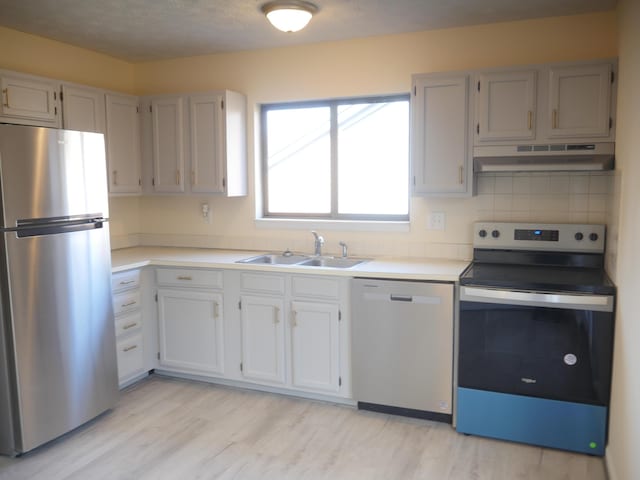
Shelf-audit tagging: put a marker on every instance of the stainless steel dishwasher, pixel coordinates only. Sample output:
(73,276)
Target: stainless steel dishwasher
(402,347)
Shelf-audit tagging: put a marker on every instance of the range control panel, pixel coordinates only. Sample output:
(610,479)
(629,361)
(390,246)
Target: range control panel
(544,236)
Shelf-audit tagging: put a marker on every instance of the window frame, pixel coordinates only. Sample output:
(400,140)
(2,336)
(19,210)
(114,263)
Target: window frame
(333,105)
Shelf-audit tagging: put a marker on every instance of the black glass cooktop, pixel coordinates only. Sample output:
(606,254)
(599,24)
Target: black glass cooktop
(544,278)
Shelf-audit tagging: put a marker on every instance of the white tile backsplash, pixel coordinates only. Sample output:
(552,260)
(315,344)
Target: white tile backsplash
(543,197)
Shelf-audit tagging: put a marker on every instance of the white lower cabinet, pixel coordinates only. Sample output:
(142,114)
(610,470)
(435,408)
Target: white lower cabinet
(191,330)
(293,332)
(263,332)
(127,308)
(315,356)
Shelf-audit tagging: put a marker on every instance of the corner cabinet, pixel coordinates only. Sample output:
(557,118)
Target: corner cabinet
(440,149)
(29,100)
(83,108)
(168,124)
(190,321)
(123,144)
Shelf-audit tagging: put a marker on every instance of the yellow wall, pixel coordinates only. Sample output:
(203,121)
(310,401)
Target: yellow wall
(39,56)
(624,429)
(377,65)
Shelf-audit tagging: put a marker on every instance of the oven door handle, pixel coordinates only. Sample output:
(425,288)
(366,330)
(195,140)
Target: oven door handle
(600,303)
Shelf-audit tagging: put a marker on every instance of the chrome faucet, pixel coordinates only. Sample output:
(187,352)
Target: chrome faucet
(344,249)
(319,242)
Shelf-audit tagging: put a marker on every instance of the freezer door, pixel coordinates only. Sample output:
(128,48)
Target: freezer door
(61,319)
(48,173)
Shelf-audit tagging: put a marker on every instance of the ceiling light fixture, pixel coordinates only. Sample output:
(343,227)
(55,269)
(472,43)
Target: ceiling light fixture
(289,15)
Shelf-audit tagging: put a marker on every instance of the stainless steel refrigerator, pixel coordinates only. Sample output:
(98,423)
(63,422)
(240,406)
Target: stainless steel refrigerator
(57,340)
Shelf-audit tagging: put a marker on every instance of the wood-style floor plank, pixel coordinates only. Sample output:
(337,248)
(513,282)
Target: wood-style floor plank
(166,428)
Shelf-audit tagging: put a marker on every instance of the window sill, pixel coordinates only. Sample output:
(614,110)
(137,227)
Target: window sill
(343,225)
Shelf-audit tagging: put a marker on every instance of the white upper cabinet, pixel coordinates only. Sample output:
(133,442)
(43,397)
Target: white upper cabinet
(506,108)
(440,134)
(123,144)
(579,101)
(218,143)
(207,143)
(544,104)
(29,100)
(168,124)
(83,109)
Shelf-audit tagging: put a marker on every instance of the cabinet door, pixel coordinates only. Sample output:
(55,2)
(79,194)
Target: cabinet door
(207,147)
(506,106)
(315,346)
(191,330)
(167,122)
(263,356)
(29,101)
(83,109)
(123,144)
(440,134)
(579,101)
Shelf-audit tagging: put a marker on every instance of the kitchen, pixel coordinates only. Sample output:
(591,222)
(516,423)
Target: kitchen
(275,76)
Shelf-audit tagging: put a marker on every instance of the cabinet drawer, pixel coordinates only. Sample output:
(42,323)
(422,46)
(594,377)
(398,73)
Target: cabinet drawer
(126,302)
(316,287)
(128,323)
(189,278)
(263,283)
(125,280)
(130,357)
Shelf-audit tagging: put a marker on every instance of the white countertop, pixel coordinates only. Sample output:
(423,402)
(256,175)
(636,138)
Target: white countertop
(399,268)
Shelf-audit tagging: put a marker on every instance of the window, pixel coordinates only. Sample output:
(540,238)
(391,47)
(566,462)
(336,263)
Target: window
(337,159)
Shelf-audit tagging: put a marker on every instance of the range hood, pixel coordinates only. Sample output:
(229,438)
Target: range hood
(550,158)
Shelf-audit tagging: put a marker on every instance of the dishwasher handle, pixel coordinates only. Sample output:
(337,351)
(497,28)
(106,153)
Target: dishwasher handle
(401,298)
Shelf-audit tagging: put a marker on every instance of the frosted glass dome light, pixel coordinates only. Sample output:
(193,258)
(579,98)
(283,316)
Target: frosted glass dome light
(289,16)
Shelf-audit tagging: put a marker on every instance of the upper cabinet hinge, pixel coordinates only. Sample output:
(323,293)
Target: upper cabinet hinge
(55,110)
(339,381)
(414,180)
(224,182)
(137,109)
(478,129)
(240,305)
(55,95)
(241,367)
(613,77)
(222,104)
(415,91)
(153,182)
(150,109)
(60,95)
(156,297)
(610,123)
(478,85)
(158,355)
(140,182)
(339,315)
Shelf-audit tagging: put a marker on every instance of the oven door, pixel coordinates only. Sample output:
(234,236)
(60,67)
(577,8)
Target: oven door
(537,344)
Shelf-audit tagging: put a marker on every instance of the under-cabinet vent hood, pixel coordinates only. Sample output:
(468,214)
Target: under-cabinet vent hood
(536,158)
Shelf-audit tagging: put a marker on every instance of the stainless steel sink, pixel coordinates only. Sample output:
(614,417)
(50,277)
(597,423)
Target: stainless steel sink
(274,259)
(303,260)
(332,262)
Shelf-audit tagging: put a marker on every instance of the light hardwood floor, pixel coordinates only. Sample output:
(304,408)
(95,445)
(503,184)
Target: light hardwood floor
(172,429)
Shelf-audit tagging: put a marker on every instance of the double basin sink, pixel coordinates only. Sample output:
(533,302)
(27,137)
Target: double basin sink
(303,260)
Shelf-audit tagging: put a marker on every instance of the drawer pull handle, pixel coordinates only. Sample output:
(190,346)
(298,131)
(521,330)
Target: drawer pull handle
(133,302)
(554,120)
(216,309)
(530,120)
(184,277)
(130,325)
(127,282)
(6,96)
(128,349)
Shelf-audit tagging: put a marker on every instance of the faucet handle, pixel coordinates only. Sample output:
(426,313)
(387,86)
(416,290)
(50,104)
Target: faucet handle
(344,249)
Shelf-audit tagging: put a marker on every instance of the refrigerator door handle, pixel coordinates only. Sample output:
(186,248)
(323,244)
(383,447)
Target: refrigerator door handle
(56,228)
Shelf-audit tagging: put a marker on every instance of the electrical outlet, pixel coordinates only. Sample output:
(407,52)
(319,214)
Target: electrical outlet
(436,221)
(206,212)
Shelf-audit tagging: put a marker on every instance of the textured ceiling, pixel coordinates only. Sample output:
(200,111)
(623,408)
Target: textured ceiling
(139,30)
